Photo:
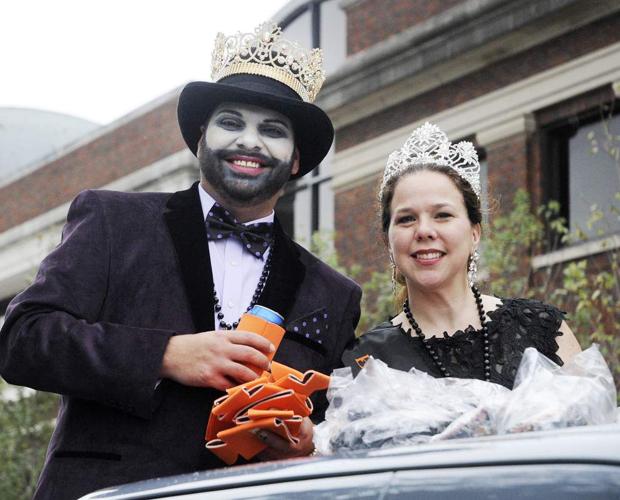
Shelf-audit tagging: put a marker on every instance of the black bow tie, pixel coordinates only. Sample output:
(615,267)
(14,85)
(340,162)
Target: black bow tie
(256,238)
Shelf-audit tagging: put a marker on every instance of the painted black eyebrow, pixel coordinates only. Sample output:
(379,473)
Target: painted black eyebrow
(268,120)
(231,111)
(277,120)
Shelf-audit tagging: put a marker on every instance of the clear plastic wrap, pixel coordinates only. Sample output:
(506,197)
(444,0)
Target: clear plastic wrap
(384,407)
(548,396)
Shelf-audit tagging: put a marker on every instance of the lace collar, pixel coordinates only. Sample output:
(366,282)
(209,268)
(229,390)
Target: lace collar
(400,321)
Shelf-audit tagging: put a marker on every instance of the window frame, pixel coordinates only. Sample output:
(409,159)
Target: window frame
(555,173)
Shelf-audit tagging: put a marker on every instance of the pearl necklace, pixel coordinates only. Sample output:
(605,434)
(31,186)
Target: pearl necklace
(431,351)
(217,307)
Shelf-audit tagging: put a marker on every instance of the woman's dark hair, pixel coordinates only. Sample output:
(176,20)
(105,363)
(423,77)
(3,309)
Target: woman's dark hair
(471,200)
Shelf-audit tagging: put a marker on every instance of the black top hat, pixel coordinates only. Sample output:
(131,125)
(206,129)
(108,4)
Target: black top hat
(313,129)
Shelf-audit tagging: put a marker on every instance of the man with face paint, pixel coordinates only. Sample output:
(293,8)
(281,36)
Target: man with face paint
(246,155)
(133,317)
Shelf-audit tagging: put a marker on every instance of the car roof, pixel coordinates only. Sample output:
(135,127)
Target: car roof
(577,445)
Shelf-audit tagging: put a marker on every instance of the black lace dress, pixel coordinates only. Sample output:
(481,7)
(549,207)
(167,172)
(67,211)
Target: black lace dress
(515,325)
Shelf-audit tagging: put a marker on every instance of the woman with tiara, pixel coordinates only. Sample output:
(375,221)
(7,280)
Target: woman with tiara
(431,224)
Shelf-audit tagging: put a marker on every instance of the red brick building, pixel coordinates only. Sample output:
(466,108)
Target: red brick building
(526,81)
(530,82)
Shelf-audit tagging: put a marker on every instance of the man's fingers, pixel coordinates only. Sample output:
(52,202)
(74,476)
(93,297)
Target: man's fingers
(220,383)
(238,372)
(252,340)
(249,357)
(282,448)
(306,430)
(216,359)
(273,440)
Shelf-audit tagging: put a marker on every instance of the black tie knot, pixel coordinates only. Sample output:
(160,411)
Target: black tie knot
(255,238)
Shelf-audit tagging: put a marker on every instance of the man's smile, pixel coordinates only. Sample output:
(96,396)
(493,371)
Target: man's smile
(247,154)
(247,165)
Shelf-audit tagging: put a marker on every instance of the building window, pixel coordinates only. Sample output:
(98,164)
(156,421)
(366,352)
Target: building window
(582,171)
(307,205)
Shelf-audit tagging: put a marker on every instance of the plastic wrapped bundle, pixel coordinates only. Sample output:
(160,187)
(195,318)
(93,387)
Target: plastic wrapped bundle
(547,396)
(384,407)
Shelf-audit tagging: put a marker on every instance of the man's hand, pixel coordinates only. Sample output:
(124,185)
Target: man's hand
(279,448)
(217,359)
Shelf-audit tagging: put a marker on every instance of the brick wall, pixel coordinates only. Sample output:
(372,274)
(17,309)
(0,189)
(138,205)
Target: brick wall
(514,162)
(136,144)
(552,53)
(507,169)
(358,231)
(371,21)
(358,228)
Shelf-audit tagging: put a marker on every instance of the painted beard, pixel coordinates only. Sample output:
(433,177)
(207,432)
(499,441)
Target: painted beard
(241,189)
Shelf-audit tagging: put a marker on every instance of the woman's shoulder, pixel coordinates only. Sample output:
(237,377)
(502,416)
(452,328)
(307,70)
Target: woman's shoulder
(379,331)
(374,342)
(523,322)
(542,323)
(524,306)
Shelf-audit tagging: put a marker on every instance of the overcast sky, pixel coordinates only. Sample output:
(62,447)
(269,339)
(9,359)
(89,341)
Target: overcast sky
(102,59)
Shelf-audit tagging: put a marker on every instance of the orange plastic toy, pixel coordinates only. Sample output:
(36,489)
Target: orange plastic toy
(276,401)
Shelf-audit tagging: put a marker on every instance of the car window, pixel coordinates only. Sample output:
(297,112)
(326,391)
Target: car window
(533,481)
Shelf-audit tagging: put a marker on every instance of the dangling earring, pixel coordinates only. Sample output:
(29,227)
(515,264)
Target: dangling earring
(472,269)
(393,268)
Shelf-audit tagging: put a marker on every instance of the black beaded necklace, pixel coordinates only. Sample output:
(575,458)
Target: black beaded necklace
(433,354)
(217,307)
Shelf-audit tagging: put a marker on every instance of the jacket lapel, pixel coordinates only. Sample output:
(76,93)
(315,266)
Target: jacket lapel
(183,216)
(286,275)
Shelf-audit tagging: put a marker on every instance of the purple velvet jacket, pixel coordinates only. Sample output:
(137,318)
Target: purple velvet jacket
(132,270)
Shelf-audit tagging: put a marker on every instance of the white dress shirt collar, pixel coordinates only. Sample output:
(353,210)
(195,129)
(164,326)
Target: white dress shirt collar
(236,272)
(207,202)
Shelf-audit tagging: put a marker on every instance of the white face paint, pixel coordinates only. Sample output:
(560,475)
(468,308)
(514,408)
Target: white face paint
(247,152)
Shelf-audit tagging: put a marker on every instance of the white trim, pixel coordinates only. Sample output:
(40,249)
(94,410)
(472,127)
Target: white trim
(450,45)
(575,252)
(493,116)
(145,177)
(92,136)
(517,125)
(347,4)
(131,182)
(24,246)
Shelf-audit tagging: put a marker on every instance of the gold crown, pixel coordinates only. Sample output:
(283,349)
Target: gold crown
(265,53)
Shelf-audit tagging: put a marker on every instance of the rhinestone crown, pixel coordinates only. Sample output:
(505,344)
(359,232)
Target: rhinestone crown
(266,53)
(429,145)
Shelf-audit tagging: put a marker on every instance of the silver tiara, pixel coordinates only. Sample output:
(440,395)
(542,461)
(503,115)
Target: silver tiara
(429,145)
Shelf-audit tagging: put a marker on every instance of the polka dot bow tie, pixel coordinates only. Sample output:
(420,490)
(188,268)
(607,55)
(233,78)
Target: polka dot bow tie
(255,238)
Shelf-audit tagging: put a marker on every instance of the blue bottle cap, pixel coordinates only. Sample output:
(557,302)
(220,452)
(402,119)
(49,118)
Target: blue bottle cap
(267,314)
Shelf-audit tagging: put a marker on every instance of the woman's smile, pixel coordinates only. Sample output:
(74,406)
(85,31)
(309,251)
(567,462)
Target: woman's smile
(430,234)
(428,257)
